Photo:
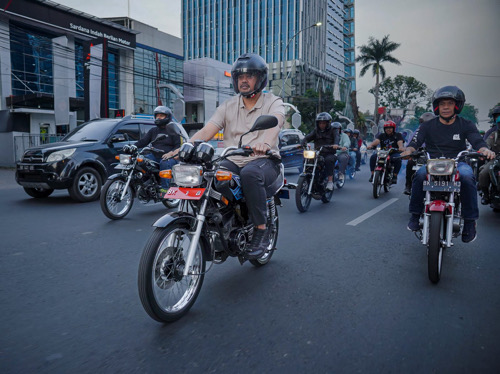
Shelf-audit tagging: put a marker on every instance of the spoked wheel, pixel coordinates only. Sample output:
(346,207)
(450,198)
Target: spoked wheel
(388,182)
(302,198)
(340,181)
(111,203)
(327,196)
(266,257)
(435,248)
(377,184)
(166,294)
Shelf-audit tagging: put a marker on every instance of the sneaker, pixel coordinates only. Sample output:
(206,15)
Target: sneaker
(371,179)
(485,201)
(329,186)
(407,190)
(414,224)
(258,246)
(469,231)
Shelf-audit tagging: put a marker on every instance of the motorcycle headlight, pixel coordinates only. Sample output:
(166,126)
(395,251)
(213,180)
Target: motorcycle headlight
(187,175)
(440,167)
(125,159)
(60,155)
(309,154)
(382,153)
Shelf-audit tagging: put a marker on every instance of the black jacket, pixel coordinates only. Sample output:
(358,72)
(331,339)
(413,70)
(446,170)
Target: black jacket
(329,136)
(166,144)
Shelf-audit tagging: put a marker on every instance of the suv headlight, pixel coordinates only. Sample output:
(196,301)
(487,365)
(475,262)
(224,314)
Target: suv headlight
(309,154)
(187,175)
(440,166)
(61,155)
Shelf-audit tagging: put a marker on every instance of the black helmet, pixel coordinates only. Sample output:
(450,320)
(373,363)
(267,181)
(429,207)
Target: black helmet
(349,131)
(336,126)
(166,120)
(448,92)
(323,116)
(427,116)
(356,131)
(250,63)
(495,111)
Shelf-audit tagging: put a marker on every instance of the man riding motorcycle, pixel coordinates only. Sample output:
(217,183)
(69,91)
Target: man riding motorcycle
(427,116)
(493,142)
(236,116)
(163,116)
(388,139)
(359,142)
(445,136)
(343,154)
(325,135)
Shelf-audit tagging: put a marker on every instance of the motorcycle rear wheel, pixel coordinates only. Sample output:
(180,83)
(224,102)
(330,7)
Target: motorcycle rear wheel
(166,294)
(111,205)
(302,198)
(435,249)
(377,184)
(266,257)
(327,196)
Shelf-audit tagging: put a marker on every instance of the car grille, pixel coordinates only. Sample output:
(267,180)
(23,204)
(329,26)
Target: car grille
(33,157)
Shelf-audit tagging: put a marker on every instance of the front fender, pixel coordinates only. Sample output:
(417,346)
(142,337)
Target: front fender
(188,219)
(437,206)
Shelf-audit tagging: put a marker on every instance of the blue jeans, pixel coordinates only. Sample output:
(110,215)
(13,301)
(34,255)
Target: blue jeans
(352,159)
(468,192)
(164,165)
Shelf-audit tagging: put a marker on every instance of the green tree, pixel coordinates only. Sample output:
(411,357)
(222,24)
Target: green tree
(372,56)
(307,105)
(469,112)
(402,92)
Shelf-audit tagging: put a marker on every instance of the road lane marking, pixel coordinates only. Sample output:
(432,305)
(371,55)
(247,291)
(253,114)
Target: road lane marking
(372,212)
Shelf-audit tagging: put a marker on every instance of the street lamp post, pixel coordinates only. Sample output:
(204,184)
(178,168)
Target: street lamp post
(284,54)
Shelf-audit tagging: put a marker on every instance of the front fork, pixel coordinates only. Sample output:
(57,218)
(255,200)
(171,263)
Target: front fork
(200,221)
(312,177)
(129,178)
(448,220)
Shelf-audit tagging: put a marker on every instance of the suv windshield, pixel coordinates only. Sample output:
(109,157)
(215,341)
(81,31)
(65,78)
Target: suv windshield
(92,131)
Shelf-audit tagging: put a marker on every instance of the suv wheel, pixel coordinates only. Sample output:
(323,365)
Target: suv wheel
(86,185)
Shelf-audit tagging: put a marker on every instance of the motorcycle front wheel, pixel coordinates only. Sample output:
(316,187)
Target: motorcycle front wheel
(166,294)
(302,198)
(377,184)
(435,249)
(112,205)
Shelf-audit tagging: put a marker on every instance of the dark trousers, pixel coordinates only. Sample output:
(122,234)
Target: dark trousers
(396,162)
(468,192)
(358,159)
(256,178)
(330,160)
(409,172)
(164,165)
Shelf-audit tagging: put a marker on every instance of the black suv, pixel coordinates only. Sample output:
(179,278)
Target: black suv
(82,160)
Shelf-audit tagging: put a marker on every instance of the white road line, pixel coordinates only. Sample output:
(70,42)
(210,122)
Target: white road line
(372,212)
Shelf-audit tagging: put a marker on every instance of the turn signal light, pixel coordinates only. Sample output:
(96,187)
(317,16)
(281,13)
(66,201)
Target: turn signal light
(223,175)
(166,174)
(117,157)
(140,159)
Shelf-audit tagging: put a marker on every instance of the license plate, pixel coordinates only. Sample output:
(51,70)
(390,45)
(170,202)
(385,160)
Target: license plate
(284,194)
(442,186)
(123,167)
(184,193)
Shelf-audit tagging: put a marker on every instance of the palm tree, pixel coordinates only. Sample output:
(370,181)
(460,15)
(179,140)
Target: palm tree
(372,56)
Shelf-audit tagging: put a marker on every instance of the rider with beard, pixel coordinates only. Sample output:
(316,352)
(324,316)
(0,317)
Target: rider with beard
(163,116)
(388,139)
(325,135)
(493,142)
(445,136)
(235,117)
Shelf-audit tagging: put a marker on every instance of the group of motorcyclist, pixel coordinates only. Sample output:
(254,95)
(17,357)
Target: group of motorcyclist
(443,133)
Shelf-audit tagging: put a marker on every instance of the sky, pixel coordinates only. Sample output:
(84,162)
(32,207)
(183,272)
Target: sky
(443,42)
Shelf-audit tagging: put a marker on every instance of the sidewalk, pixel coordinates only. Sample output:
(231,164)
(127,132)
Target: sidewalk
(7,178)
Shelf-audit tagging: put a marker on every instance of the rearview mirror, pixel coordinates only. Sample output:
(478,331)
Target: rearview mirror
(264,122)
(116,138)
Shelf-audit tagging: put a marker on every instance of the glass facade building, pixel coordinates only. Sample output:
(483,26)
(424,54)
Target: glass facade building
(349,43)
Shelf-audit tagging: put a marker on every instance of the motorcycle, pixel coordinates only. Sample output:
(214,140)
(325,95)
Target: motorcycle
(494,187)
(139,177)
(441,220)
(211,224)
(313,180)
(384,171)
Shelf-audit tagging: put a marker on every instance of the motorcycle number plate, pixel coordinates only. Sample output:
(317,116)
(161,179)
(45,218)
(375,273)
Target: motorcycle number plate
(184,193)
(123,167)
(442,186)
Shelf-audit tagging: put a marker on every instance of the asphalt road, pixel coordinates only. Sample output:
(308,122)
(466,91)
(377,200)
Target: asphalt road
(342,294)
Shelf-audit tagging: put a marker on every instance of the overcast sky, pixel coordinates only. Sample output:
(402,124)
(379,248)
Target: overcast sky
(443,42)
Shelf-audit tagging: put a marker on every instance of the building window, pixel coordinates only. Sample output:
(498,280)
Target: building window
(113,80)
